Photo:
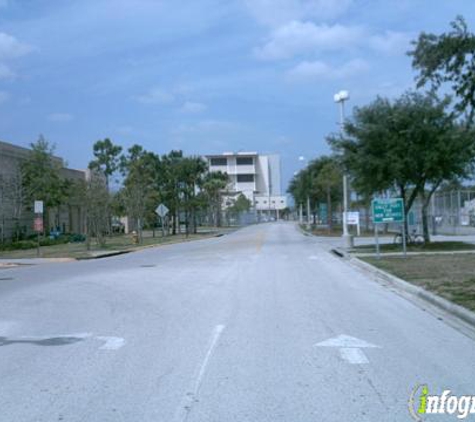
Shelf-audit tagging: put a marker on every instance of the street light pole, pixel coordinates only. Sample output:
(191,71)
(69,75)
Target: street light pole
(340,98)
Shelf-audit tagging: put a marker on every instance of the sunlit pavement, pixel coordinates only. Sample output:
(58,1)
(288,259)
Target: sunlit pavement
(260,325)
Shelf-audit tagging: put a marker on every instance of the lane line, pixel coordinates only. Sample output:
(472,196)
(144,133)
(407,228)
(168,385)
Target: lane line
(181,415)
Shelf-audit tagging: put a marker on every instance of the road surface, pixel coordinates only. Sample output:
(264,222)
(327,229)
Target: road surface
(260,325)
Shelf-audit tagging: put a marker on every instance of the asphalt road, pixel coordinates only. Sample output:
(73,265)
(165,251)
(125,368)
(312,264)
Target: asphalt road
(219,330)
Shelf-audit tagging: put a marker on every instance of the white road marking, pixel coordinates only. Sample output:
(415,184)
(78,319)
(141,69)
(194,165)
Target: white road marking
(111,343)
(350,348)
(353,355)
(313,258)
(190,397)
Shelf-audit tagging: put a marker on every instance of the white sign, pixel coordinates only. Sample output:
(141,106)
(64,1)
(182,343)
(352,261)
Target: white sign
(162,210)
(353,218)
(38,207)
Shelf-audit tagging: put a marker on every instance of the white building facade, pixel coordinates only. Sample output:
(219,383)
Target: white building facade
(256,176)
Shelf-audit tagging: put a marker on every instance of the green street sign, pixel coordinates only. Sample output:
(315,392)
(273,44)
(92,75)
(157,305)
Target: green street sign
(323,212)
(388,210)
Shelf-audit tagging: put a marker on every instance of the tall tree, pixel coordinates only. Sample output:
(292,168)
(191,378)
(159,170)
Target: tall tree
(214,184)
(140,169)
(107,158)
(40,176)
(410,145)
(448,58)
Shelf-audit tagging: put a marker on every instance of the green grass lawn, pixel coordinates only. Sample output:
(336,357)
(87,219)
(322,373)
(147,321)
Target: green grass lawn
(449,246)
(449,276)
(115,243)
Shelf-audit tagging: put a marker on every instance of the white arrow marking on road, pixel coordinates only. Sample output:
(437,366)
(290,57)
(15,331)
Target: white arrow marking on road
(350,348)
(111,343)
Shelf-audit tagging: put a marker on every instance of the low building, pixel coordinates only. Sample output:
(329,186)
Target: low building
(15,215)
(257,176)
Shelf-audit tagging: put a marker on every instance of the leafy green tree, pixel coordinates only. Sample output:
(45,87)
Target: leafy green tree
(168,182)
(40,177)
(191,171)
(410,145)
(239,206)
(320,181)
(214,184)
(140,195)
(328,182)
(448,58)
(107,158)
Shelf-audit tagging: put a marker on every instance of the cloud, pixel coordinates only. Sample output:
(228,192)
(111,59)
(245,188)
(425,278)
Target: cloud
(11,48)
(278,12)
(303,37)
(156,96)
(193,108)
(6,72)
(391,43)
(305,70)
(60,117)
(4,96)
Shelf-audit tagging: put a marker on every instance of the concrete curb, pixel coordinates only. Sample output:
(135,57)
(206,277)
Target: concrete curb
(441,303)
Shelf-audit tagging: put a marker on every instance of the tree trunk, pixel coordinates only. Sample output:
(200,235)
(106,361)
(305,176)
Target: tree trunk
(329,209)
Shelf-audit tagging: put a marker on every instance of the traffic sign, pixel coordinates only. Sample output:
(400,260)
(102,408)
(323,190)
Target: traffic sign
(353,218)
(38,207)
(389,210)
(38,226)
(162,210)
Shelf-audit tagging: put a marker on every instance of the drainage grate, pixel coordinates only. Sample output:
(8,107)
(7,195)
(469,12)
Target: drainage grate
(148,265)
(6,278)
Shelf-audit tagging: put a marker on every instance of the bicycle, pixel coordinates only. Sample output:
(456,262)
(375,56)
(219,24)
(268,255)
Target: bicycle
(413,238)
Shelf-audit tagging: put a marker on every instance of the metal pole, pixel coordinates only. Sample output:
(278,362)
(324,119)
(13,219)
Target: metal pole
(347,238)
(308,211)
(376,237)
(404,246)
(301,214)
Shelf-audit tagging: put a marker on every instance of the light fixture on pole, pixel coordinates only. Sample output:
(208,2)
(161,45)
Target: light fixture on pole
(340,98)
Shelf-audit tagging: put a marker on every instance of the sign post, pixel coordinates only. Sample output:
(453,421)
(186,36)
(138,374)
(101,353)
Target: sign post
(38,224)
(162,210)
(390,210)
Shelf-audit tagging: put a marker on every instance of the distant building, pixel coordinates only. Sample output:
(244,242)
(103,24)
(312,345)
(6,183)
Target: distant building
(257,176)
(14,214)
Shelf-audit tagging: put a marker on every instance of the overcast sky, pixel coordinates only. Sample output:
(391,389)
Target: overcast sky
(205,76)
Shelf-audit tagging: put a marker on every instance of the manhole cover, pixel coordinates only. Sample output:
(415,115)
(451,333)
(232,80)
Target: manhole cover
(148,265)
(6,278)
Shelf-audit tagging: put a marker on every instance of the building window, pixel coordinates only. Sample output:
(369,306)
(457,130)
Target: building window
(219,161)
(244,161)
(245,178)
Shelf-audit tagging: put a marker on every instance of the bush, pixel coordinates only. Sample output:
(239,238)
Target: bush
(20,245)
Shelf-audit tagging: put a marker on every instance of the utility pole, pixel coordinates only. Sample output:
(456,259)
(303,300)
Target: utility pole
(309,223)
(340,98)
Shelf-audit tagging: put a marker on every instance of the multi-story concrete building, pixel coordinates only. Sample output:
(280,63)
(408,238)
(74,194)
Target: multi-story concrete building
(256,176)
(15,215)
